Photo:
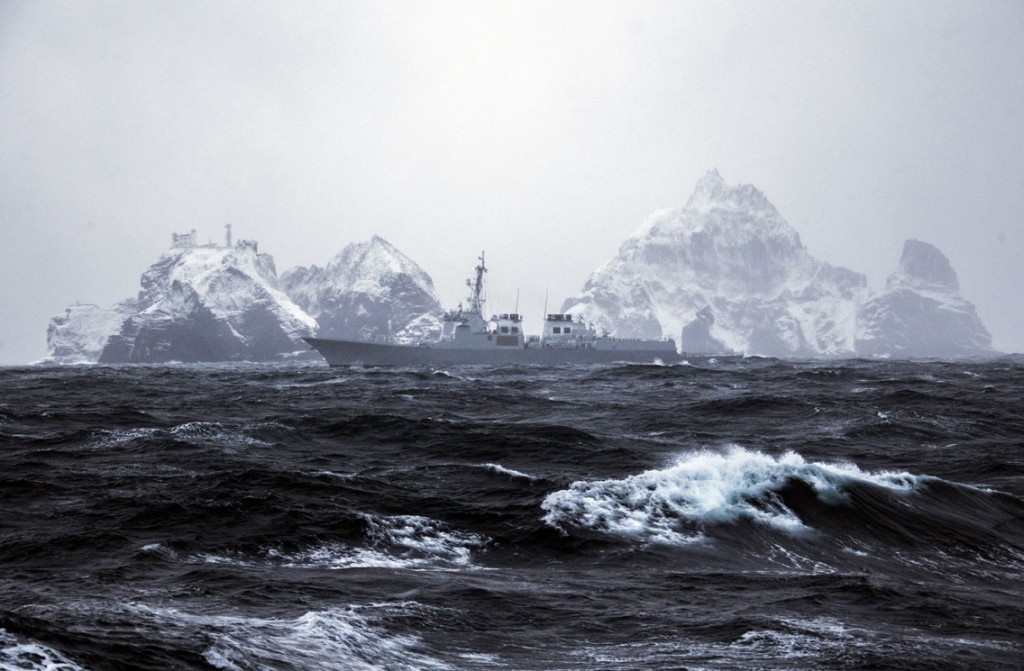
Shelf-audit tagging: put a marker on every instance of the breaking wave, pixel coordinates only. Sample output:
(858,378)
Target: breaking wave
(675,504)
(20,655)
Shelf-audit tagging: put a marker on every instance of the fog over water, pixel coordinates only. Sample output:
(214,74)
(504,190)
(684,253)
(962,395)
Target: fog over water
(543,133)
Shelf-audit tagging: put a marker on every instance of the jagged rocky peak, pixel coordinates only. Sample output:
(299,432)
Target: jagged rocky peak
(730,268)
(368,291)
(921,313)
(712,193)
(726,238)
(923,266)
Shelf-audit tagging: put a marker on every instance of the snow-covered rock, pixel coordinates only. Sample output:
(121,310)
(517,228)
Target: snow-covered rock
(80,334)
(921,313)
(369,291)
(210,304)
(733,272)
(727,273)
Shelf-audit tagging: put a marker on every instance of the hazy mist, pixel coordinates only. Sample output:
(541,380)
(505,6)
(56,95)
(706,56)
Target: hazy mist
(541,132)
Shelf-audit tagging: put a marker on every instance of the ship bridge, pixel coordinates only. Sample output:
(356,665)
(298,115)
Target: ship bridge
(507,329)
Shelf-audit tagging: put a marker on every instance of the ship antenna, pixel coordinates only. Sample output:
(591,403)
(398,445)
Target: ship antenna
(544,317)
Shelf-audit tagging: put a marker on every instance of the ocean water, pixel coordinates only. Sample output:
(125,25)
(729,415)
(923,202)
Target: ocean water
(720,514)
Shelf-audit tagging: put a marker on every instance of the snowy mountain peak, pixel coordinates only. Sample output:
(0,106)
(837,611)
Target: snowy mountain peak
(731,215)
(712,193)
(730,261)
(227,279)
(923,266)
(710,184)
(921,313)
(369,290)
(373,261)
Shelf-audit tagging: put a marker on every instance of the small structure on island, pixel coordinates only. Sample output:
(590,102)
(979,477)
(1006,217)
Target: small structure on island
(190,240)
(184,240)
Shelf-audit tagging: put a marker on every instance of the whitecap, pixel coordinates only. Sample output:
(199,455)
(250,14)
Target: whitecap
(21,655)
(415,537)
(674,504)
(336,638)
(408,542)
(105,438)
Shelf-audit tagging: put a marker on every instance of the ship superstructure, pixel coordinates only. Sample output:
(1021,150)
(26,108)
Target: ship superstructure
(467,337)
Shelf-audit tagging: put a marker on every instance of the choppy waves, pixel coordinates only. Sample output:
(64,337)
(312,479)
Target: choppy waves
(338,638)
(749,510)
(725,514)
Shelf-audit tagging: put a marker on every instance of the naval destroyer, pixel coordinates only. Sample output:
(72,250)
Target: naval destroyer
(466,337)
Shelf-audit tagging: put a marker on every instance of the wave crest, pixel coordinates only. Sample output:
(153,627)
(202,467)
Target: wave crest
(673,505)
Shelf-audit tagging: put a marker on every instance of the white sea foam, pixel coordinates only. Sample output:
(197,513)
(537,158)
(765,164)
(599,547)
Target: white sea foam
(788,559)
(332,556)
(106,438)
(406,542)
(673,505)
(415,536)
(334,474)
(346,639)
(20,655)
(316,383)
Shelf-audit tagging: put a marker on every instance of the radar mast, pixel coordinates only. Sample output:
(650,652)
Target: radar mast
(476,298)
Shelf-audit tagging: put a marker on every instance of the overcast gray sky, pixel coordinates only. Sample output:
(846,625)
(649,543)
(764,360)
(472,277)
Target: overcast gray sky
(541,132)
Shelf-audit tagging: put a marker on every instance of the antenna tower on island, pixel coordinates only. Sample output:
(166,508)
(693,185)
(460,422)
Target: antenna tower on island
(228,236)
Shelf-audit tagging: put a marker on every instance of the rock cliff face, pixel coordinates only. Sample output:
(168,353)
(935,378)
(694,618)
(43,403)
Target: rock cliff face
(81,333)
(921,313)
(729,269)
(727,273)
(369,291)
(209,304)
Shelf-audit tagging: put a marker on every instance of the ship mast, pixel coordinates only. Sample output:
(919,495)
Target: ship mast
(476,299)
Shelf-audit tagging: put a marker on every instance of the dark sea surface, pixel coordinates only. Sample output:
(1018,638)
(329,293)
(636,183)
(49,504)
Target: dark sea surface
(729,514)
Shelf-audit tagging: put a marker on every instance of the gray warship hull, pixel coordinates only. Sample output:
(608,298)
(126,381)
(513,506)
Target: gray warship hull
(353,353)
(466,338)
